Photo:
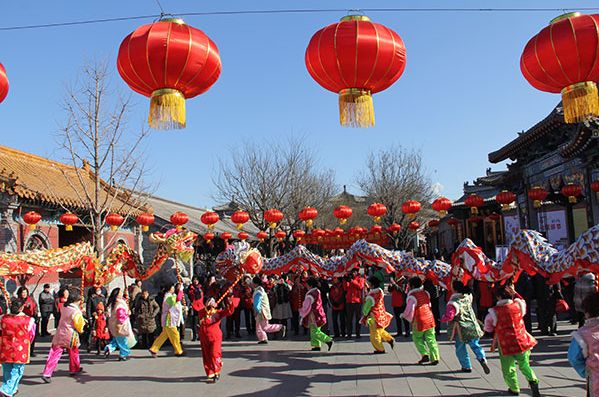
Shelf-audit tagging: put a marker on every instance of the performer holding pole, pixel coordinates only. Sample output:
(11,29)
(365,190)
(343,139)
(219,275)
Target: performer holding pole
(313,316)
(376,317)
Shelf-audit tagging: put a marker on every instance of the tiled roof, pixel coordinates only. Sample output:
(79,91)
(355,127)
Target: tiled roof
(49,182)
(488,193)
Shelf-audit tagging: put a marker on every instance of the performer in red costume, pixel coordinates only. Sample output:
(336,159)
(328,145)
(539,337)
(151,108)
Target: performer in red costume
(211,336)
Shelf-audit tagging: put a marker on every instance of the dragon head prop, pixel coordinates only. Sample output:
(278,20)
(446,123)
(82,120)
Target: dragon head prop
(177,243)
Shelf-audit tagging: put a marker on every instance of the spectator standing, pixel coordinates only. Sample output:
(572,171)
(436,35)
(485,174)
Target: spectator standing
(46,302)
(586,284)
(354,292)
(397,289)
(337,299)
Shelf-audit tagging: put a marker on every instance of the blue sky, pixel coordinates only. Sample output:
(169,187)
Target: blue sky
(460,97)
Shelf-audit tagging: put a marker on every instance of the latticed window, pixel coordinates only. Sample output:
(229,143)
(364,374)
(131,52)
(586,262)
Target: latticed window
(35,242)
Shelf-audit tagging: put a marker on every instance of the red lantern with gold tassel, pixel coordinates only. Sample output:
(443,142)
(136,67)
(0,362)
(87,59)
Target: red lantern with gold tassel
(240,218)
(413,226)
(411,208)
(179,219)
(572,191)
(32,218)
(308,215)
(538,195)
(505,198)
(145,220)
(114,221)
(226,236)
(209,218)
(376,211)
(169,62)
(243,236)
(595,188)
(280,235)
(394,228)
(298,235)
(3,83)
(356,58)
(474,201)
(208,237)
(273,217)
(68,219)
(442,205)
(563,57)
(262,235)
(343,213)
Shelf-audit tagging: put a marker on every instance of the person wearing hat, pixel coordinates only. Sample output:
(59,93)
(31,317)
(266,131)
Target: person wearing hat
(46,303)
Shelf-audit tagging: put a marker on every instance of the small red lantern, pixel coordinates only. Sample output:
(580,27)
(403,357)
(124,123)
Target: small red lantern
(538,195)
(273,217)
(32,218)
(572,191)
(433,223)
(414,226)
(343,213)
(243,236)
(298,235)
(169,62)
(3,83)
(494,217)
(442,205)
(226,236)
(280,235)
(68,219)
(318,233)
(453,221)
(308,215)
(209,218)
(356,58)
(475,219)
(505,198)
(394,228)
(114,220)
(179,219)
(595,188)
(376,229)
(376,211)
(411,208)
(338,233)
(474,201)
(563,57)
(262,235)
(239,218)
(208,237)
(145,220)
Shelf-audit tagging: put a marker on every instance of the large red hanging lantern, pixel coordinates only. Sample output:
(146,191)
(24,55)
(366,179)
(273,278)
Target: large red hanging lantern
(595,188)
(505,198)
(32,218)
(308,215)
(209,218)
(572,191)
(3,83)
(343,213)
(411,208)
(114,221)
(273,217)
(563,57)
(442,205)
(145,220)
(169,62)
(356,58)
(179,219)
(262,235)
(376,211)
(239,218)
(474,201)
(68,219)
(538,195)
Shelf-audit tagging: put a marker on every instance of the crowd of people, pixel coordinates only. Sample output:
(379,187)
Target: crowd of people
(301,303)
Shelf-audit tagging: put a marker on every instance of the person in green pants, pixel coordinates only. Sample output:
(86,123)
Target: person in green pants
(313,316)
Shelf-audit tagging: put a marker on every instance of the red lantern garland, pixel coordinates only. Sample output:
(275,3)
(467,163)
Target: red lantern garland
(308,215)
(145,220)
(32,218)
(572,191)
(411,208)
(538,195)
(563,57)
(474,201)
(179,219)
(169,62)
(239,218)
(209,218)
(343,213)
(376,211)
(442,205)
(114,221)
(243,236)
(68,219)
(505,198)
(262,236)
(273,217)
(3,83)
(356,58)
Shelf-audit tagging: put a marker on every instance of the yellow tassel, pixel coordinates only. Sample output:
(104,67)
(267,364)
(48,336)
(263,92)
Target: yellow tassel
(114,228)
(167,109)
(32,226)
(505,207)
(572,199)
(145,228)
(309,223)
(537,203)
(377,219)
(474,210)
(239,226)
(342,221)
(443,213)
(68,228)
(580,101)
(272,225)
(356,108)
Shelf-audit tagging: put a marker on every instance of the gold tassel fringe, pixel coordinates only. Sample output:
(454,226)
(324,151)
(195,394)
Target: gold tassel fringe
(537,203)
(68,228)
(572,199)
(580,101)
(356,108)
(145,228)
(167,109)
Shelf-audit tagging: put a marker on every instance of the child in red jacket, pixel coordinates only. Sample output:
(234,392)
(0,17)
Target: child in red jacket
(211,336)
(100,332)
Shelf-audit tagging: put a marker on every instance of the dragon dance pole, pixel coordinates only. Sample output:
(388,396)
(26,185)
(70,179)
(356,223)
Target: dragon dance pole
(82,286)
(220,299)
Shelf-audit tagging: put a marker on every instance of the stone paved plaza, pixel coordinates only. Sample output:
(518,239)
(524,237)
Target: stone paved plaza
(288,368)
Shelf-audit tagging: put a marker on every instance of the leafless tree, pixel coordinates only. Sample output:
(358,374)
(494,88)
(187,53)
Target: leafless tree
(285,176)
(98,142)
(392,177)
